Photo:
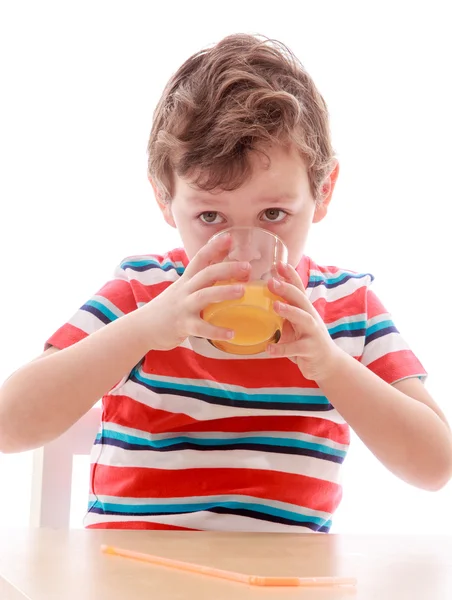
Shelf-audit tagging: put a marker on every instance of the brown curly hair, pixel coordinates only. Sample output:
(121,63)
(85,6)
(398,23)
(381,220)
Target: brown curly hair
(238,96)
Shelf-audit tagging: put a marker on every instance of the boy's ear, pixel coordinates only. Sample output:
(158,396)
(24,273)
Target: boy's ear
(165,207)
(327,192)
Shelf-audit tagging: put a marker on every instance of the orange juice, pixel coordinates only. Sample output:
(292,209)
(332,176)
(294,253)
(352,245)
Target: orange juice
(251,317)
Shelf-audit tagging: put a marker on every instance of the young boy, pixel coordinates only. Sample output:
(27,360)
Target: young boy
(194,438)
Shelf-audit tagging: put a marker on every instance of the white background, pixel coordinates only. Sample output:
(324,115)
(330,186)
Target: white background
(79,81)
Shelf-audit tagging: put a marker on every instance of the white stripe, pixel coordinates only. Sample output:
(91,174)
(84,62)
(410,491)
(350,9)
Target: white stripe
(96,452)
(204,348)
(112,456)
(421,376)
(349,319)
(119,273)
(351,345)
(286,506)
(152,276)
(341,291)
(378,319)
(208,435)
(202,520)
(86,321)
(391,342)
(205,411)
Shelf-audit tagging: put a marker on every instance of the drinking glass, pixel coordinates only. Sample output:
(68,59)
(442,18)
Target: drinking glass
(252,317)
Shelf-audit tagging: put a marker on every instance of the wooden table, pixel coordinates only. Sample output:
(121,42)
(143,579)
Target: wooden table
(45,564)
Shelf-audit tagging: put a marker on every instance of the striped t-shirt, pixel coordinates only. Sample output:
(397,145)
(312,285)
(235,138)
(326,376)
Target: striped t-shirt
(194,438)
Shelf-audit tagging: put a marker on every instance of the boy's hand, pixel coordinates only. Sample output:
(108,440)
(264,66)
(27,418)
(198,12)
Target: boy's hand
(176,313)
(305,338)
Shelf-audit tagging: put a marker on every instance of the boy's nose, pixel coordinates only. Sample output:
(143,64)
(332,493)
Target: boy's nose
(245,246)
(245,253)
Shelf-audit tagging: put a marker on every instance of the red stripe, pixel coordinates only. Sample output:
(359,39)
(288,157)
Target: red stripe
(177,255)
(253,373)
(349,306)
(303,269)
(328,269)
(374,305)
(396,365)
(126,412)
(65,336)
(145,293)
(119,292)
(138,525)
(135,482)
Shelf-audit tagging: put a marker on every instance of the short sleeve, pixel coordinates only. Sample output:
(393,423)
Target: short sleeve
(386,353)
(115,299)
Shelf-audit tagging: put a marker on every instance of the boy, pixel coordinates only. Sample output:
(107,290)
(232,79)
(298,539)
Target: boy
(191,437)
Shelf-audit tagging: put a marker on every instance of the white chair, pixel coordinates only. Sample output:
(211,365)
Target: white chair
(52,472)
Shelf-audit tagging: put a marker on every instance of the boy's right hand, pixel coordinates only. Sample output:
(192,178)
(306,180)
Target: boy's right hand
(175,314)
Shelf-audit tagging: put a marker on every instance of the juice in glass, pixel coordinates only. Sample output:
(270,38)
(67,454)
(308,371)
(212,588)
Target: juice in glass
(252,318)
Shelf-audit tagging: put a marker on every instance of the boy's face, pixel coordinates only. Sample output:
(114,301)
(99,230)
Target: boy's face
(276,197)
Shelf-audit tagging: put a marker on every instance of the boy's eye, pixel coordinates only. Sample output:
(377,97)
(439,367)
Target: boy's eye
(210,217)
(274,215)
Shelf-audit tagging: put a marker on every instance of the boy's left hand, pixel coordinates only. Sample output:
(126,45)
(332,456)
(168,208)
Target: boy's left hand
(305,338)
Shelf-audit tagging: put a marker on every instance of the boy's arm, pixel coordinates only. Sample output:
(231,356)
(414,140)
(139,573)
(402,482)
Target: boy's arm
(45,397)
(401,424)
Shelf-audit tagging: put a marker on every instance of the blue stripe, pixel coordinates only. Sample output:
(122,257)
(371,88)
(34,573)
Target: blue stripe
(380,333)
(97,313)
(102,308)
(107,441)
(335,279)
(138,509)
(166,266)
(378,326)
(347,327)
(211,391)
(270,441)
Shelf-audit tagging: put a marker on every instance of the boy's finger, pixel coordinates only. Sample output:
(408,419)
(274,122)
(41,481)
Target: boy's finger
(292,295)
(203,329)
(213,252)
(223,271)
(291,276)
(209,295)
(300,318)
(289,350)
(288,333)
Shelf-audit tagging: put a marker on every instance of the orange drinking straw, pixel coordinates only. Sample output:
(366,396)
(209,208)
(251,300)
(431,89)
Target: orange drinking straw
(230,575)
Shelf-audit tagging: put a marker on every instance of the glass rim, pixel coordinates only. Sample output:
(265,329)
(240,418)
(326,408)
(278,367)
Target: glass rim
(250,227)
